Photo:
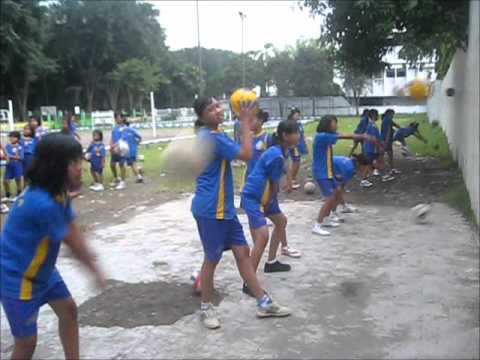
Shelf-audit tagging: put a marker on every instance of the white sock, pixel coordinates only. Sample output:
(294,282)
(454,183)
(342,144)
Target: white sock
(272,261)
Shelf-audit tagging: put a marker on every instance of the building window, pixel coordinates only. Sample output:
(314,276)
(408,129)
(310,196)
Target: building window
(390,73)
(401,72)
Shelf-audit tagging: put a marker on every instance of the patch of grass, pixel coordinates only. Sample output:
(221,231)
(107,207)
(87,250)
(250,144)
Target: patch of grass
(458,198)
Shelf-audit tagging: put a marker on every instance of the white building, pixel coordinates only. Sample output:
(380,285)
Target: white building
(389,81)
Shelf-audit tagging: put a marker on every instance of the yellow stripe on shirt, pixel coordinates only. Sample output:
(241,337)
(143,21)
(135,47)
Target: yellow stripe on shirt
(38,260)
(221,192)
(330,162)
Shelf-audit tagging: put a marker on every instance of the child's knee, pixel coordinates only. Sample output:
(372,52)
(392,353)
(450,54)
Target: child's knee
(26,344)
(70,312)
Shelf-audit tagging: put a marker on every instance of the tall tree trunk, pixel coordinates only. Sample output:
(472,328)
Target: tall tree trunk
(90,87)
(355,97)
(113,91)
(130,98)
(21,96)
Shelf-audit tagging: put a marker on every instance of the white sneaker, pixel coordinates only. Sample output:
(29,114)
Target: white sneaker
(387,177)
(330,222)
(5,199)
(348,209)
(12,199)
(376,172)
(365,184)
(395,172)
(334,217)
(318,230)
(121,185)
(272,309)
(97,187)
(295,186)
(4,209)
(209,317)
(115,182)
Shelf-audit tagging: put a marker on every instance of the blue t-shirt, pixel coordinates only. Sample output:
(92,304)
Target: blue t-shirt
(387,128)
(344,166)
(40,132)
(117,133)
(302,145)
(322,164)
(133,138)
(30,242)
(362,125)
(260,143)
(268,171)
(404,132)
(214,186)
(97,154)
(237,127)
(29,145)
(14,150)
(368,146)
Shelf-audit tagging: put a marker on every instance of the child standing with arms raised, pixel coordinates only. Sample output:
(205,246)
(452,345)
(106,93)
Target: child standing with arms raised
(214,210)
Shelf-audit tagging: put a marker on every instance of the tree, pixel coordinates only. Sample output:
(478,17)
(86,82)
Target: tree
(280,70)
(23,57)
(355,83)
(363,31)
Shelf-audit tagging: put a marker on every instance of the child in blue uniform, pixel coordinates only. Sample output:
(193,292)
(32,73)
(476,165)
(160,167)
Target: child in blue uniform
(3,160)
(14,168)
(29,143)
(387,131)
(214,210)
(323,172)
(96,155)
(259,197)
(40,220)
(361,129)
(297,152)
(133,139)
(402,133)
(36,124)
(115,157)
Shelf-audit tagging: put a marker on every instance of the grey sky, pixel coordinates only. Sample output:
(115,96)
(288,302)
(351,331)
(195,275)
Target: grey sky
(279,22)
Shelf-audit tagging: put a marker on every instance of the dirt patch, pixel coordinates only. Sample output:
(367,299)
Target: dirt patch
(154,303)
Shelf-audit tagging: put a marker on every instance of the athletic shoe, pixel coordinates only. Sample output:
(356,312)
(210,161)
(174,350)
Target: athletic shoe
(295,186)
(209,317)
(4,209)
(334,217)
(121,185)
(12,199)
(5,199)
(348,209)
(98,187)
(387,177)
(291,252)
(395,172)
(365,184)
(318,230)
(376,172)
(267,308)
(246,290)
(329,222)
(277,266)
(115,182)
(139,179)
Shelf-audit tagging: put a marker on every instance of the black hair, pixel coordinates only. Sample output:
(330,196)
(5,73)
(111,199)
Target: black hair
(324,125)
(126,122)
(285,127)
(293,110)
(361,159)
(365,112)
(263,115)
(389,112)
(98,132)
(38,119)
(197,125)
(49,169)
(373,113)
(200,104)
(15,134)
(32,130)
(414,124)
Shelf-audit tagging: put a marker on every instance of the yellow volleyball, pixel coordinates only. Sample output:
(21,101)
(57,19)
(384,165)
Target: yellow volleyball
(239,96)
(419,90)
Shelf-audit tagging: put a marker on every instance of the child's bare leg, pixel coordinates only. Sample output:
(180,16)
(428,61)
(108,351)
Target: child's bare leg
(6,186)
(326,208)
(260,240)
(295,168)
(18,183)
(245,267)
(279,234)
(94,175)
(207,274)
(66,311)
(24,347)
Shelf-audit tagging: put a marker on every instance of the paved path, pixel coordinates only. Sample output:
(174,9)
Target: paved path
(382,287)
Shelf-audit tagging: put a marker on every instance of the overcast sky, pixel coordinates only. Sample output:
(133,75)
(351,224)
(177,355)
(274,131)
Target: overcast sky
(277,22)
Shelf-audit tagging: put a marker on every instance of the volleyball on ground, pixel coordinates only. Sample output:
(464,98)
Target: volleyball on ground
(418,90)
(309,188)
(420,213)
(239,96)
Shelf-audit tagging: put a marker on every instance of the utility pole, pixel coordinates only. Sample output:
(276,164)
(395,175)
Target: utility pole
(242,17)
(200,77)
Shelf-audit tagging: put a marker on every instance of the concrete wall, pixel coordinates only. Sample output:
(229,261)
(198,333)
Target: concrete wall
(459,114)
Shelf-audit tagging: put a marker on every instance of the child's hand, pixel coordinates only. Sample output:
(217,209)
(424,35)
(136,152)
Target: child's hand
(247,112)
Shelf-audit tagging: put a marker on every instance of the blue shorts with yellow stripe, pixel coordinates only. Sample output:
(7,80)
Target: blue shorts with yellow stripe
(256,213)
(327,186)
(22,314)
(218,236)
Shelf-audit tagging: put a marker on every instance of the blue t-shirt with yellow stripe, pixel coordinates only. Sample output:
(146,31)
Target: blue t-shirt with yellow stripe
(30,243)
(214,191)
(322,164)
(268,171)
(260,142)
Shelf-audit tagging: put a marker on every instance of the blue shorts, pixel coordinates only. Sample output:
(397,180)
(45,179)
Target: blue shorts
(371,157)
(98,168)
(27,161)
(131,159)
(14,170)
(256,212)
(22,314)
(219,235)
(327,186)
(116,158)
